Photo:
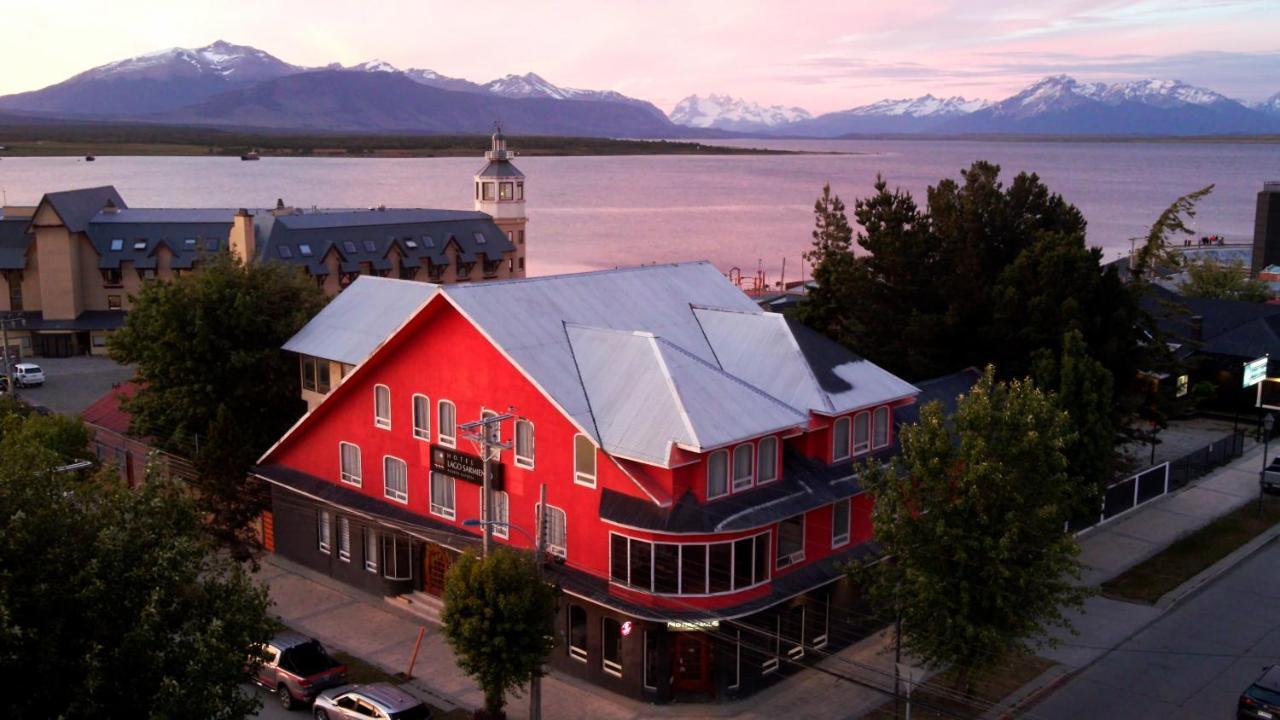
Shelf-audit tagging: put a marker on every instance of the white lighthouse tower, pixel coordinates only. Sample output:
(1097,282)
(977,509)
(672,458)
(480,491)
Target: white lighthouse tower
(500,193)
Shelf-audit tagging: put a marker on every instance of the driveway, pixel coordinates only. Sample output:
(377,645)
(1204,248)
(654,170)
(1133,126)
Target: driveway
(73,384)
(1190,664)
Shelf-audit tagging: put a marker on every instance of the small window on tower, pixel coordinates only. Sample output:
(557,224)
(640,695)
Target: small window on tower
(519,191)
(487,193)
(505,191)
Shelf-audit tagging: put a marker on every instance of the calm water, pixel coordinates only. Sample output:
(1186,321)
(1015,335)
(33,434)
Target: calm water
(596,212)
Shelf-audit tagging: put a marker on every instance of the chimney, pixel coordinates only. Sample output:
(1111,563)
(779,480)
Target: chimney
(110,208)
(243,242)
(281,208)
(1197,328)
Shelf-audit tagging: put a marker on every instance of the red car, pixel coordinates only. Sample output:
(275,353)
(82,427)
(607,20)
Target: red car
(296,668)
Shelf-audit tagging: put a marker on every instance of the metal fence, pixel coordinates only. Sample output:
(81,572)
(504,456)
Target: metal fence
(1149,484)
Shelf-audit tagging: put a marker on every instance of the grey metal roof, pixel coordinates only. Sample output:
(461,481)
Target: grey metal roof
(360,318)
(419,235)
(78,207)
(499,169)
(187,233)
(14,243)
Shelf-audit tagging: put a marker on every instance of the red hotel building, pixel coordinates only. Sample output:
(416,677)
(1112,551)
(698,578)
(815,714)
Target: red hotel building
(697,454)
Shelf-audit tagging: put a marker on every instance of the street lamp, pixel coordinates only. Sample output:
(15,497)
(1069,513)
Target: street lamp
(1268,422)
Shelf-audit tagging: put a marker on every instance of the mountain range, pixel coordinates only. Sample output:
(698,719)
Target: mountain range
(237,86)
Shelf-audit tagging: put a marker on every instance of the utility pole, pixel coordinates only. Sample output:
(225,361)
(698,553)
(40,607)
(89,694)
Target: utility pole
(479,432)
(5,322)
(540,546)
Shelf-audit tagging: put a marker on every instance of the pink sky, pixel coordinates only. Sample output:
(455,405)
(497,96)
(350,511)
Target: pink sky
(822,55)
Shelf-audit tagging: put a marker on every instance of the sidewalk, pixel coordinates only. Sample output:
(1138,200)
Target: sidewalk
(1112,548)
(366,626)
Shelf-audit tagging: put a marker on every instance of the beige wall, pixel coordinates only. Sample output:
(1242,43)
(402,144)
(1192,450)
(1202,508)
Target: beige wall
(61,291)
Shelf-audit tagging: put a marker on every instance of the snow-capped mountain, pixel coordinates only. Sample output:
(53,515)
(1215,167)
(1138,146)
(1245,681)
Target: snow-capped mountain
(1160,93)
(1270,106)
(906,115)
(431,78)
(155,82)
(532,85)
(374,65)
(923,106)
(729,113)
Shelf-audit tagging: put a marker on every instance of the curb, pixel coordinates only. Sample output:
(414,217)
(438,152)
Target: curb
(1206,577)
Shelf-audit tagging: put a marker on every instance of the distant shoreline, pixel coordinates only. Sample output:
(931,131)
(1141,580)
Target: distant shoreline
(1269,139)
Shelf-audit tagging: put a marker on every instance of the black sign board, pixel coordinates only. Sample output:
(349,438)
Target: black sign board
(468,468)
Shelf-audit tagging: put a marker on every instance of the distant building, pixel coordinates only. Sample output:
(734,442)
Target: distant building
(69,265)
(113,446)
(1266,228)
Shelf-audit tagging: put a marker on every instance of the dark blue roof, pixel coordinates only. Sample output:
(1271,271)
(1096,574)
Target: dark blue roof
(946,390)
(87,320)
(367,236)
(135,235)
(78,207)
(14,242)
(499,169)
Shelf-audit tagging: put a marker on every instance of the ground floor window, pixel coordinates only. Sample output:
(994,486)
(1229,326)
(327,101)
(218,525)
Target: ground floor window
(820,617)
(577,617)
(322,531)
(611,643)
(650,661)
(370,550)
(344,539)
(793,631)
(397,554)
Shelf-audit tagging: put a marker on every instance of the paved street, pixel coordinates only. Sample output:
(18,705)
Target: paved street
(1190,664)
(72,384)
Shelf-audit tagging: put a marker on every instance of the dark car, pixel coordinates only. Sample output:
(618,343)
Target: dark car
(296,668)
(1262,698)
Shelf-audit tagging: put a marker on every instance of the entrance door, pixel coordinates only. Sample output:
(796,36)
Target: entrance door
(435,564)
(690,663)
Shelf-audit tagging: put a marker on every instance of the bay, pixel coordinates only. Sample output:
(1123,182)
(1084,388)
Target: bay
(736,211)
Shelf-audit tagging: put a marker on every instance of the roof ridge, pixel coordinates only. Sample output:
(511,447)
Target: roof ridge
(731,376)
(654,342)
(592,273)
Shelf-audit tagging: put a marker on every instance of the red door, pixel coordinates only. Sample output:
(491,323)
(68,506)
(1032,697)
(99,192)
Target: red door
(436,562)
(691,663)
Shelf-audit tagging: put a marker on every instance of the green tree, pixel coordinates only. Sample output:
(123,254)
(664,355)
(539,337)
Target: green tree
(832,260)
(1082,387)
(1157,251)
(207,343)
(67,438)
(972,523)
(499,618)
(1208,278)
(113,603)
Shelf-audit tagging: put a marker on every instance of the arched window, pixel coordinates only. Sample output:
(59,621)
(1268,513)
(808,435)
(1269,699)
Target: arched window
(767,461)
(422,417)
(717,474)
(382,406)
(744,470)
(880,428)
(395,479)
(840,439)
(445,424)
(861,433)
(524,444)
(349,455)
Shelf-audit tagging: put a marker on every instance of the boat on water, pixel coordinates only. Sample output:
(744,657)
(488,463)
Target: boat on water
(89,158)
(251,155)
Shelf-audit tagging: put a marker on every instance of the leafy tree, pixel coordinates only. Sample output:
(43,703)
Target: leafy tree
(1208,278)
(67,438)
(832,259)
(973,524)
(112,602)
(208,343)
(499,617)
(1083,389)
(1157,249)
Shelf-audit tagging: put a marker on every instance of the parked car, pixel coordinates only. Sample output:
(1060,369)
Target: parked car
(375,700)
(296,668)
(1271,476)
(26,375)
(1262,698)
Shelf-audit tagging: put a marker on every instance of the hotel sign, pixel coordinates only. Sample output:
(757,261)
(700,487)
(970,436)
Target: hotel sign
(468,468)
(693,624)
(1255,371)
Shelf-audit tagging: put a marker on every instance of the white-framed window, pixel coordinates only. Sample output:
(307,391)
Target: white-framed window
(698,569)
(370,550)
(422,417)
(577,620)
(840,523)
(382,406)
(861,433)
(790,541)
(524,443)
(501,513)
(442,495)
(744,470)
(823,611)
(446,423)
(556,529)
(322,531)
(349,458)
(717,474)
(840,439)
(397,557)
(395,479)
(880,427)
(344,539)
(767,461)
(584,460)
(611,646)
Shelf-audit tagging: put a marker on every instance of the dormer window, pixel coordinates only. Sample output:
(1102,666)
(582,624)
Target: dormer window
(479,238)
(840,440)
(428,242)
(304,250)
(743,467)
(717,474)
(139,244)
(369,246)
(880,428)
(117,244)
(349,246)
(411,243)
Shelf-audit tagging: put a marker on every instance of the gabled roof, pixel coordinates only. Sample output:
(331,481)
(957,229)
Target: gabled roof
(106,412)
(360,318)
(78,207)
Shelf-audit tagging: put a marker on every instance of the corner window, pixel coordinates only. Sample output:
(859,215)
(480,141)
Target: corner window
(524,444)
(421,417)
(350,458)
(880,428)
(584,460)
(344,539)
(743,467)
(840,439)
(840,523)
(767,461)
(442,495)
(322,531)
(382,406)
(861,433)
(501,514)
(370,550)
(395,479)
(717,474)
(445,423)
(520,193)
(611,646)
(556,529)
(790,541)
(577,617)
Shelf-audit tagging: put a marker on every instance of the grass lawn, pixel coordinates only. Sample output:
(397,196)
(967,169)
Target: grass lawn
(359,671)
(1183,560)
(994,685)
